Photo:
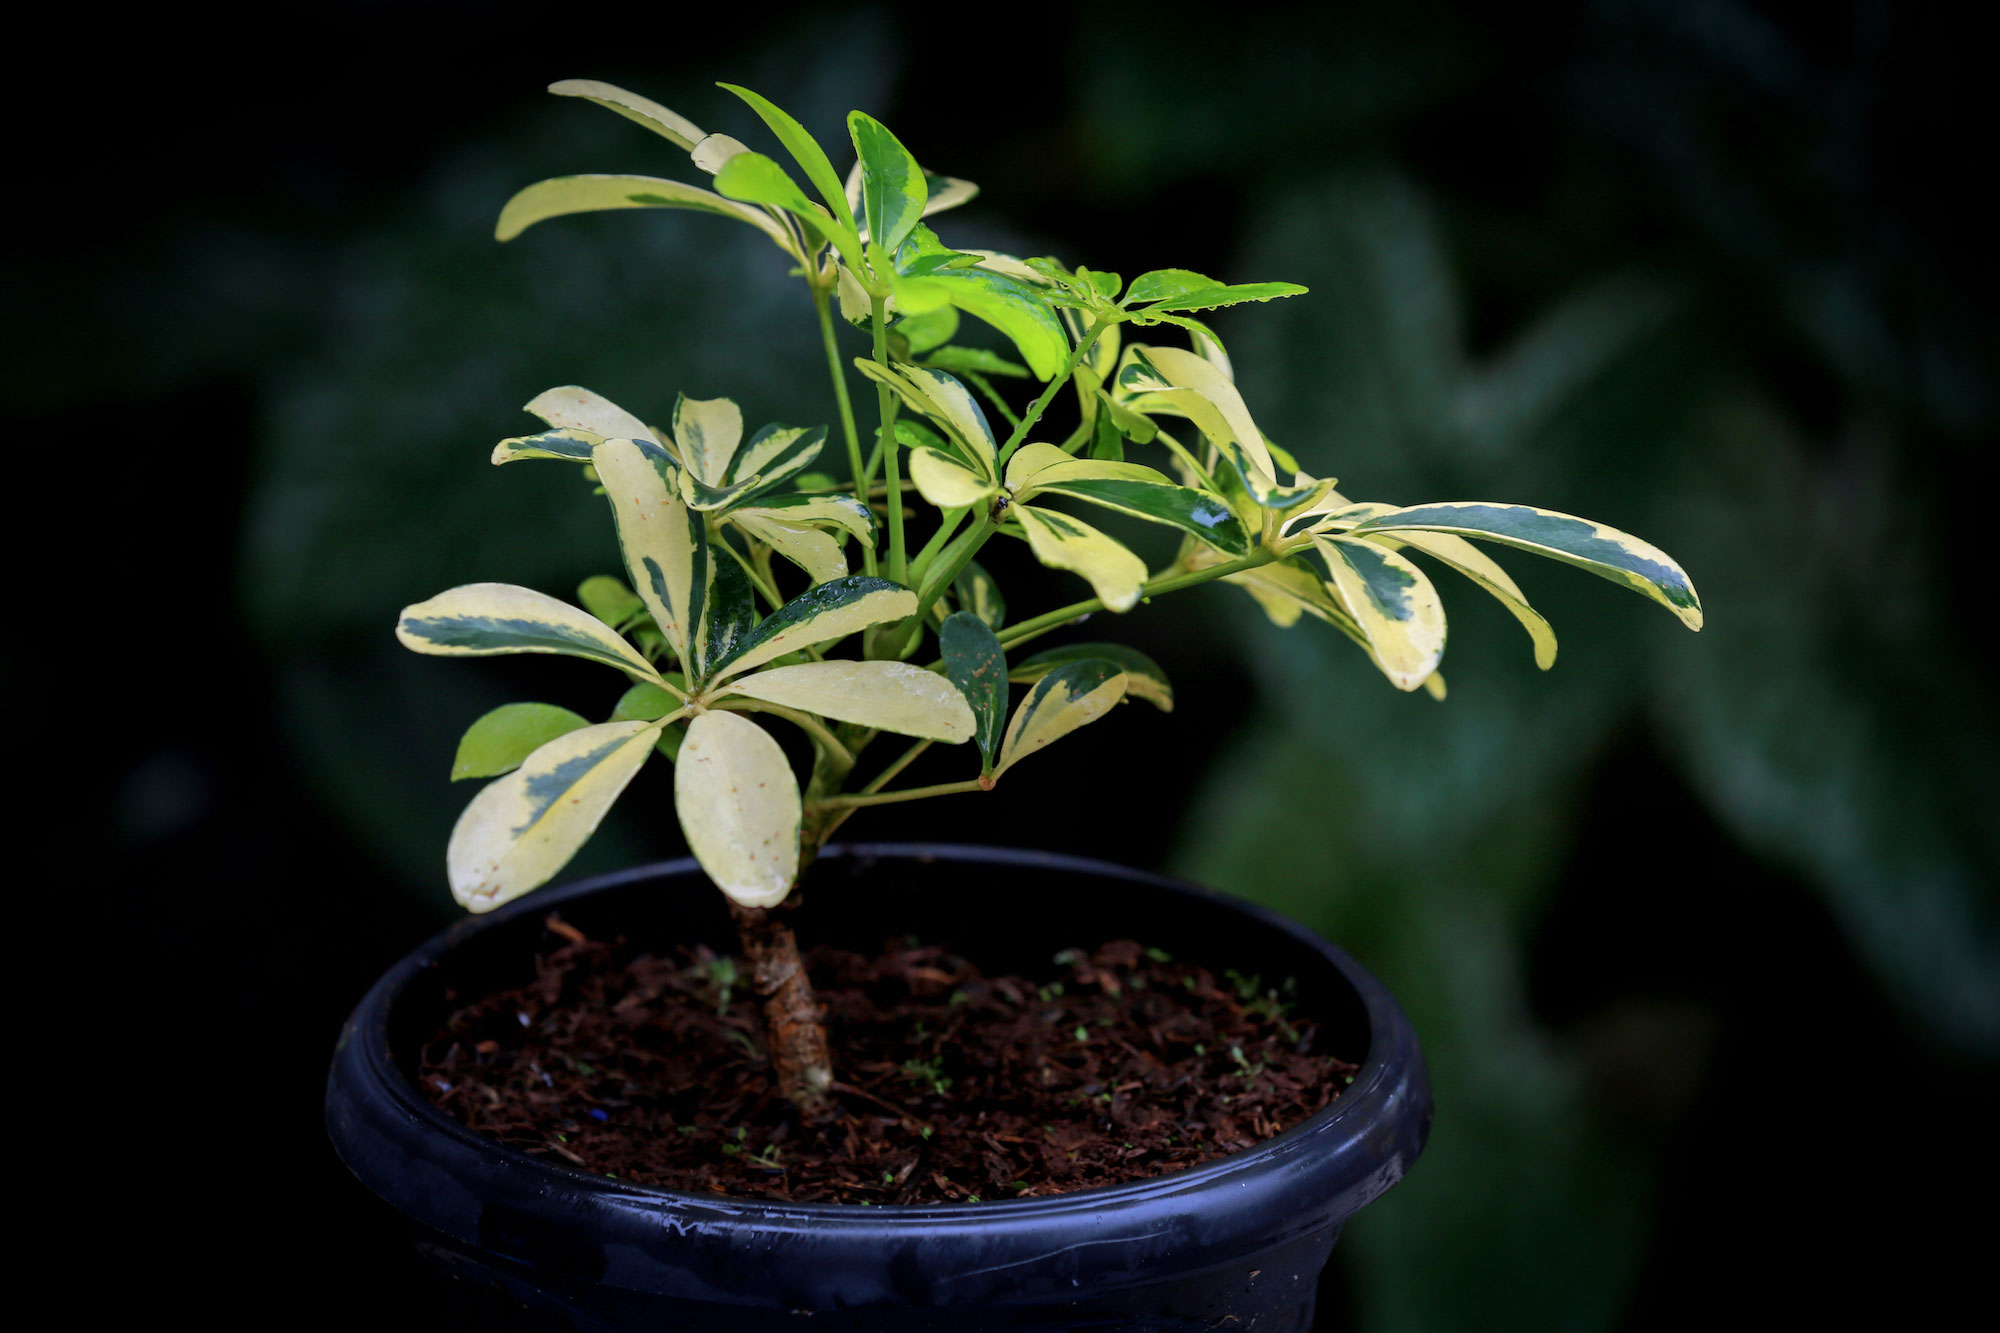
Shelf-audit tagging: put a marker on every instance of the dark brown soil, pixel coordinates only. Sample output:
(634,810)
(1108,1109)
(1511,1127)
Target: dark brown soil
(1120,1065)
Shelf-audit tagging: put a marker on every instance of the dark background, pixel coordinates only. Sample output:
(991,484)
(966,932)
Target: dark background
(1699,930)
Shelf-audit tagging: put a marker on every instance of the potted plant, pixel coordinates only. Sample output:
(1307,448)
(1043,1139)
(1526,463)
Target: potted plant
(590,1127)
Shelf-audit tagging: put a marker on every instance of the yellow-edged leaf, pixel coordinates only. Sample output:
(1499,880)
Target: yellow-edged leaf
(889,696)
(666,552)
(1115,574)
(486,619)
(825,612)
(573,407)
(946,482)
(1392,603)
(738,805)
(708,431)
(1073,695)
(818,553)
(523,828)
(1481,568)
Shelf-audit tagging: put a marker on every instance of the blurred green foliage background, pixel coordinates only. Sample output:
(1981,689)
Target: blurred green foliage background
(1699,931)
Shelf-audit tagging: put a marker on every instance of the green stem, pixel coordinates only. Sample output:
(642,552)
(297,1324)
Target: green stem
(823,307)
(749,570)
(1041,404)
(888,775)
(907,794)
(805,722)
(992,395)
(892,463)
(947,525)
(1154,587)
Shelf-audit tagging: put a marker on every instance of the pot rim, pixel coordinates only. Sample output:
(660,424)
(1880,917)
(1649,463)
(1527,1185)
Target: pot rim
(1391,1079)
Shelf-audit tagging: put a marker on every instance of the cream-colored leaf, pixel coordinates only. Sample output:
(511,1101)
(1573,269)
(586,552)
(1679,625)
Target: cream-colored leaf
(1115,574)
(1188,371)
(946,482)
(708,431)
(665,549)
(739,807)
(573,407)
(669,125)
(889,696)
(715,150)
(561,196)
(1481,568)
(1030,459)
(1069,697)
(523,828)
(818,553)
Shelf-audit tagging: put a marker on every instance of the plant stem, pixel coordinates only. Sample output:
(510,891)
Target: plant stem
(1165,583)
(805,722)
(793,1017)
(770,594)
(1041,404)
(823,307)
(907,794)
(888,775)
(892,463)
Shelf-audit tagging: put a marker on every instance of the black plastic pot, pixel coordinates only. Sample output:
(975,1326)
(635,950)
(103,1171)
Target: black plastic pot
(1238,1243)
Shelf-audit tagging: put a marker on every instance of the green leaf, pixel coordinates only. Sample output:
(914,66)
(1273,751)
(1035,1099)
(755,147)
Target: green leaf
(739,807)
(1605,552)
(572,446)
(1163,283)
(887,696)
(1016,309)
(978,593)
(923,332)
(499,741)
(665,547)
(487,619)
(757,179)
(976,360)
(644,703)
(805,150)
(1143,677)
(732,611)
(893,190)
(1107,443)
(523,828)
(1213,298)
(977,665)
(827,611)
(563,195)
(674,128)
(1392,603)
(1069,697)
(1129,488)
(608,599)
(1115,574)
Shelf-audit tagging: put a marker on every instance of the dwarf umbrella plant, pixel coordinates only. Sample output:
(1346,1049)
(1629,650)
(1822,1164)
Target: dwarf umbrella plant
(744,608)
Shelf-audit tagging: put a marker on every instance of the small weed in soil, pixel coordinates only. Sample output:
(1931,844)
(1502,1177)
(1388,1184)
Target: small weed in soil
(1124,1063)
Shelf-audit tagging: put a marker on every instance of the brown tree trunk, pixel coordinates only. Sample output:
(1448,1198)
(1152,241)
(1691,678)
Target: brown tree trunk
(794,1029)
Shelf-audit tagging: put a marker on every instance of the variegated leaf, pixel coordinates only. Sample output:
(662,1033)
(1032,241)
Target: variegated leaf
(817,553)
(1129,488)
(666,551)
(739,807)
(707,431)
(776,453)
(820,614)
(1605,552)
(1069,697)
(571,446)
(1481,568)
(574,408)
(830,511)
(563,195)
(1114,573)
(893,190)
(1391,602)
(1143,677)
(501,739)
(731,609)
(712,154)
(1228,422)
(1214,297)
(977,665)
(947,192)
(486,619)
(946,401)
(946,482)
(671,126)
(523,828)
(888,696)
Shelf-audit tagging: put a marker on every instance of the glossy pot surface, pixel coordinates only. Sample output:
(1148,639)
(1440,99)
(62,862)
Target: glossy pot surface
(1236,1243)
